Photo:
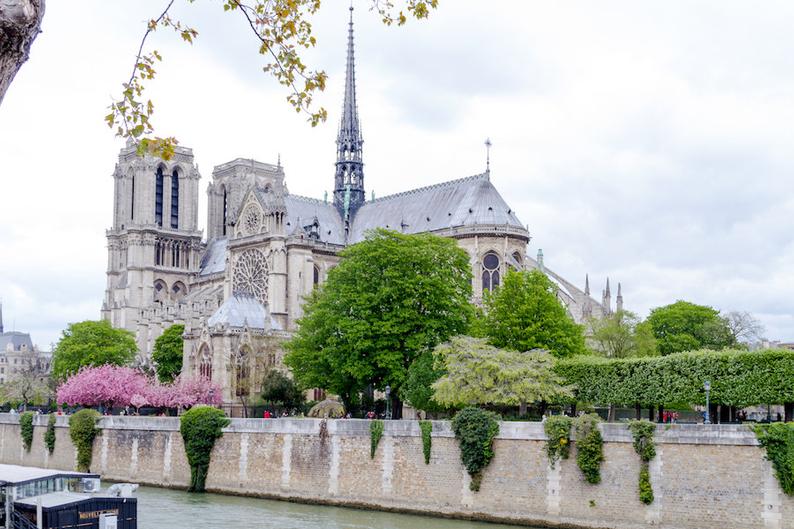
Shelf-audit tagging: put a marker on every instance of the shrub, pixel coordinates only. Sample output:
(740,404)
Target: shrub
(778,439)
(49,434)
(475,430)
(589,447)
(375,433)
(558,432)
(26,429)
(200,428)
(427,441)
(83,430)
(643,431)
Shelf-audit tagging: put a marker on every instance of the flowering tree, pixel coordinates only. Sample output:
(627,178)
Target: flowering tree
(124,386)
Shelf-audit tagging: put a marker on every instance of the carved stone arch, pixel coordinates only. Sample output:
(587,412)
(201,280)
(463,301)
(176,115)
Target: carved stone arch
(490,270)
(204,361)
(160,291)
(242,370)
(178,291)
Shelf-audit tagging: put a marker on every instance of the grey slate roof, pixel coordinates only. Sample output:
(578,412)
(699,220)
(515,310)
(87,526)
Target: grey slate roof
(301,212)
(17,339)
(214,259)
(465,202)
(243,310)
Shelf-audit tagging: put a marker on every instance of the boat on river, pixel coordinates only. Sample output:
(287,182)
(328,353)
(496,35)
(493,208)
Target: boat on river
(39,498)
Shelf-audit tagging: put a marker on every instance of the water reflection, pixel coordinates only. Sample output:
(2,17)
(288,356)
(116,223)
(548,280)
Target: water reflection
(171,509)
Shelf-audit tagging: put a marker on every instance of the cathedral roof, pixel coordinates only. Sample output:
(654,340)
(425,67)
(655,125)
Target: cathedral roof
(214,259)
(16,339)
(468,201)
(243,310)
(301,211)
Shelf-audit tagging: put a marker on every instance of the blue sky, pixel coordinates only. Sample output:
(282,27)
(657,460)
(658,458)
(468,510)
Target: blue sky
(649,142)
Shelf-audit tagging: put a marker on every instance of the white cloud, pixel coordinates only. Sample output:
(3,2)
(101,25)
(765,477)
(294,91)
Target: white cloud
(648,142)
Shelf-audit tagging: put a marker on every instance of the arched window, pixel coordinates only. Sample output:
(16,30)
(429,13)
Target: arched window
(225,209)
(132,197)
(160,290)
(175,200)
(178,291)
(242,373)
(490,271)
(158,197)
(316,277)
(205,362)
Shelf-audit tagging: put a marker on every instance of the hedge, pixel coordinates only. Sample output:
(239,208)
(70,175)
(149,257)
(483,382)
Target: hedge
(738,378)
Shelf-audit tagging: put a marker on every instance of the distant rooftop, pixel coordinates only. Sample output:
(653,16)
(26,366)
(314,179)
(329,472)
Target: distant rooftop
(18,475)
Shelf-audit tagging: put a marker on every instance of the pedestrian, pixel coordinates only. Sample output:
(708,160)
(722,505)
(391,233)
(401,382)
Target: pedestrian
(267,414)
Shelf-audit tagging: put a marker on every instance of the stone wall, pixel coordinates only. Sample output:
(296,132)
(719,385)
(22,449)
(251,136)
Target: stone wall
(704,477)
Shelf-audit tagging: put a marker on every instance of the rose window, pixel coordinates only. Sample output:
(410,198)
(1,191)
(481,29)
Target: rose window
(251,221)
(250,274)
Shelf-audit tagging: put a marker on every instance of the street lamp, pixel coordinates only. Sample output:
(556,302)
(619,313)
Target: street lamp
(388,403)
(707,387)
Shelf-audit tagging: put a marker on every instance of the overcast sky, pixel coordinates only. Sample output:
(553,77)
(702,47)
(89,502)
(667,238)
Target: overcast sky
(646,141)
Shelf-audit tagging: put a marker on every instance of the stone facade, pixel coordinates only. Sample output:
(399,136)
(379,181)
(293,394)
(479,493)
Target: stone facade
(20,357)
(240,293)
(704,477)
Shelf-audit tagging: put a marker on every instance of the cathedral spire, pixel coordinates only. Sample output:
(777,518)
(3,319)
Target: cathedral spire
(587,284)
(619,300)
(349,179)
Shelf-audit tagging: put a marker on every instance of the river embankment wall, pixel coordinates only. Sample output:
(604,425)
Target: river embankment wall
(703,476)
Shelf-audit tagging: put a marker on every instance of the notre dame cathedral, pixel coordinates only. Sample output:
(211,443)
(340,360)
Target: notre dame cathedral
(239,292)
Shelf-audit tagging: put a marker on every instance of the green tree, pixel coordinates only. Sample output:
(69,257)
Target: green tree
(417,389)
(392,297)
(621,335)
(91,343)
(524,314)
(478,373)
(280,389)
(684,326)
(167,353)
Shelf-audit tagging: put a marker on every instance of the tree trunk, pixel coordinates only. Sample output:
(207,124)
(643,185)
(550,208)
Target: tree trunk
(650,413)
(522,409)
(20,23)
(638,411)
(396,406)
(788,408)
(543,406)
(611,413)
(660,418)
(573,410)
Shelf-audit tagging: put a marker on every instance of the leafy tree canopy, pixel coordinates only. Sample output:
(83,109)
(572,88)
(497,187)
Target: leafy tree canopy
(478,373)
(685,326)
(280,389)
(621,335)
(167,353)
(524,314)
(391,297)
(418,386)
(91,343)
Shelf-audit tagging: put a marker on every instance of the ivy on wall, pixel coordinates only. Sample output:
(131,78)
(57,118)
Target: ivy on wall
(200,427)
(375,433)
(49,434)
(475,430)
(558,434)
(778,440)
(83,431)
(589,447)
(26,429)
(427,441)
(643,431)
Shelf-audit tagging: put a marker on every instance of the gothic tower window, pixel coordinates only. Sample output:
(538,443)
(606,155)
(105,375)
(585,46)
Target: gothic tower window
(175,200)
(242,373)
(225,208)
(316,276)
(205,362)
(132,197)
(490,271)
(178,291)
(158,197)
(160,290)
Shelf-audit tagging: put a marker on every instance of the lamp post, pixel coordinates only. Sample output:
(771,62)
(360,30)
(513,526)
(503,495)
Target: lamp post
(388,403)
(707,387)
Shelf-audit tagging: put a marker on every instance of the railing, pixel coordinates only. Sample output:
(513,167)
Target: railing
(20,522)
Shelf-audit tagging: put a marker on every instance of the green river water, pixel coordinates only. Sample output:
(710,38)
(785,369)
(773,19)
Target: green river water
(173,509)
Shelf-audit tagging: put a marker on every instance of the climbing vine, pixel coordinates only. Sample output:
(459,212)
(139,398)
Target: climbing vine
(589,447)
(375,433)
(427,441)
(49,434)
(475,430)
(200,427)
(778,439)
(643,431)
(558,433)
(83,431)
(26,429)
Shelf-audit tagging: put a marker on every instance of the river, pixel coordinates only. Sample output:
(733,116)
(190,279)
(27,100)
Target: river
(174,509)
